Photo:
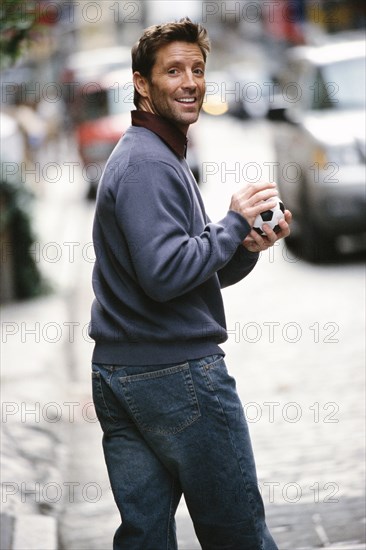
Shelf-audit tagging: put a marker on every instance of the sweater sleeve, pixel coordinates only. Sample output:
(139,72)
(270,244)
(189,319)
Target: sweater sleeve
(154,210)
(239,266)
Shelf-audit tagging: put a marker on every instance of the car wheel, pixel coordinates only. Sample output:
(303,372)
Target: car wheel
(315,244)
(91,193)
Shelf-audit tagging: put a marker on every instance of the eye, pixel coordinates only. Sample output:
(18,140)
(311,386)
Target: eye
(199,71)
(172,71)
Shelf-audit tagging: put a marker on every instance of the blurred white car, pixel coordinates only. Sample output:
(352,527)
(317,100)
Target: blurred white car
(320,144)
(253,86)
(240,89)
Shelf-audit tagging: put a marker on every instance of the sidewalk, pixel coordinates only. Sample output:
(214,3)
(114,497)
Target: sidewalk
(35,451)
(34,436)
(36,365)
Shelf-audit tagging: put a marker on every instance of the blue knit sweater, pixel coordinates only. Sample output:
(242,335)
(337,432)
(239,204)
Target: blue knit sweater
(160,262)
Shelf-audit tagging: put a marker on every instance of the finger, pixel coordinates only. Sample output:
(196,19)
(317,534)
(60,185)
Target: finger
(284,228)
(260,241)
(256,237)
(288,216)
(252,188)
(260,186)
(262,198)
(270,234)
(252,211)
(284,231)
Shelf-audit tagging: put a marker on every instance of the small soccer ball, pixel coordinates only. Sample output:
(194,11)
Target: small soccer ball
(270,217)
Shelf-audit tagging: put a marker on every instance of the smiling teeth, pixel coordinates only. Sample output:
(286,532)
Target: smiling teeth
(186,100)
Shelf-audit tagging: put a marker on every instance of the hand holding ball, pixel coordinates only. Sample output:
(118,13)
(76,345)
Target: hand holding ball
(270,217)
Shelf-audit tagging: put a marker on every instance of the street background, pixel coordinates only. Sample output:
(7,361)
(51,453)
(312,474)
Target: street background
(296,348)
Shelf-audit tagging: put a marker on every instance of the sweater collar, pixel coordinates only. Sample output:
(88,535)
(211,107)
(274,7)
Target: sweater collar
(169,133)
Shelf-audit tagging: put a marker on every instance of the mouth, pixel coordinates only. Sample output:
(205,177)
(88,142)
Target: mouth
(186,100)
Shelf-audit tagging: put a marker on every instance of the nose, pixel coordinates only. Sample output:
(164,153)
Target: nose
(189,81)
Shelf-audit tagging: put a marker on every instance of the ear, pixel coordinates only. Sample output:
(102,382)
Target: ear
(141,84)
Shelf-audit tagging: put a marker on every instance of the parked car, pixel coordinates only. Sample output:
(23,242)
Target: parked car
(253,87)
(240,89)
(319,139)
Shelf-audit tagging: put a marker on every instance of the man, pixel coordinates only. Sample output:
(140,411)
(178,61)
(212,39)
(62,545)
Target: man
(170,414)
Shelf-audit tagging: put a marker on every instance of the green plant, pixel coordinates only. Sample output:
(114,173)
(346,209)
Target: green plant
(15,223)
(17,22)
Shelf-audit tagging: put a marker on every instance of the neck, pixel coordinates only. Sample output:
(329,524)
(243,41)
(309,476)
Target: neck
(145,105)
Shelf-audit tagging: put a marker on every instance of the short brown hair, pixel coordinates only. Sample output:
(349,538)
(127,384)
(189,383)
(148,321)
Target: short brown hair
(156,36)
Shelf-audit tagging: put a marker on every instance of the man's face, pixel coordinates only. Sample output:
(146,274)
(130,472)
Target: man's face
(177,86)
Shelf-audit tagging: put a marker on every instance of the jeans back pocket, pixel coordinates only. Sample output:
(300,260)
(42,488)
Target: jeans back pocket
(163,401)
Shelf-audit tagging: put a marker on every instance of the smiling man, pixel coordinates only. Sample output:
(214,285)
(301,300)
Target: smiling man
(172,420)
(176,86)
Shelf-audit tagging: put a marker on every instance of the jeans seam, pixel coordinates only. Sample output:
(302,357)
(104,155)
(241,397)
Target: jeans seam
(247,486)
(154,374)
(212,364)
(97,375)
(248,489)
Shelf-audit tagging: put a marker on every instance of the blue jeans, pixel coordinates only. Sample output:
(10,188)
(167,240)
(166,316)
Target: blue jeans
(174,429)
